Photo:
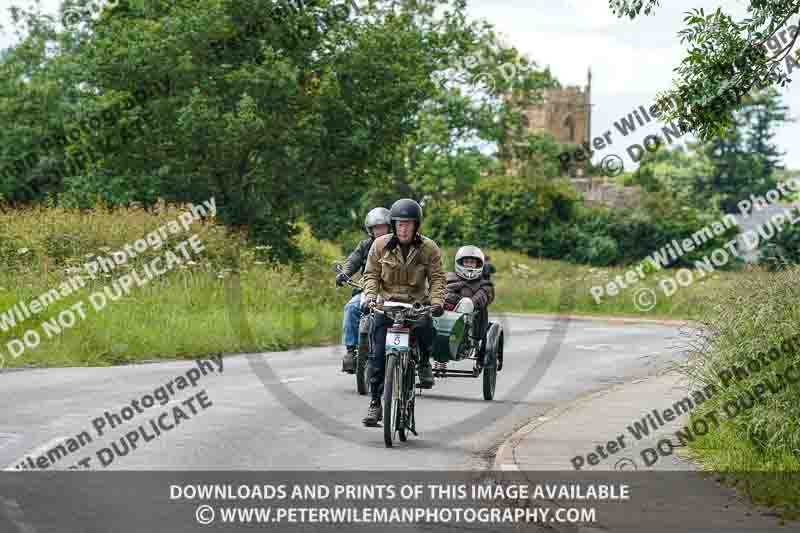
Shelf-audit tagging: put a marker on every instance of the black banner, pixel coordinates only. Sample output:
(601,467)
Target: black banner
(186,501)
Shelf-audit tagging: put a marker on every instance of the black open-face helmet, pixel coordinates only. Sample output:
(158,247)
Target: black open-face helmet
(406,209)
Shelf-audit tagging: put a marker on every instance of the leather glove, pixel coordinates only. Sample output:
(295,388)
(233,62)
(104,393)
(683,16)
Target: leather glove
(453,299)
(437,310)
(367,306)
(340,279)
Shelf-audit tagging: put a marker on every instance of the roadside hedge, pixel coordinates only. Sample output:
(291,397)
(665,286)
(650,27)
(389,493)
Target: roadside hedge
(546,219)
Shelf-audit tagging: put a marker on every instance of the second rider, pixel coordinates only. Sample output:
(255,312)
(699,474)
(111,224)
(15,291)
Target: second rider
(377,225)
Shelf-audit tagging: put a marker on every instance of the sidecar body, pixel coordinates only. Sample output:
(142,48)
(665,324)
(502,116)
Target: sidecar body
(454,341)
(451,330)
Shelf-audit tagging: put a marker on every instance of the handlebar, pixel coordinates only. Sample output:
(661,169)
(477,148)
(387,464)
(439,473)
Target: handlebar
(348,281)
(354,284)
(417,310)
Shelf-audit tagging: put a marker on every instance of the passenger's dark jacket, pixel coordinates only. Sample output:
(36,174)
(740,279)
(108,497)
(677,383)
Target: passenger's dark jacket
(488,270)
(357,261)
(480,290)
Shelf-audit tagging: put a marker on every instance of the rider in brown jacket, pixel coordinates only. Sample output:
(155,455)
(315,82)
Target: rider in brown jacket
(407,267)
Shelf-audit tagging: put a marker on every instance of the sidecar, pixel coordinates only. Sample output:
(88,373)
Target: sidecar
(454,341)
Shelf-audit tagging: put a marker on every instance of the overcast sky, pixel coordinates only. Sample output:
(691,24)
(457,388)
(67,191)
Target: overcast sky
(631,61)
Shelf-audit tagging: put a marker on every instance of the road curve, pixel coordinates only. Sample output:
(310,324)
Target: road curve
(238,423)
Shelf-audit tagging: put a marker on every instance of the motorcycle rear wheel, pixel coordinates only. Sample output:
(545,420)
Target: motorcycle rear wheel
(361,364)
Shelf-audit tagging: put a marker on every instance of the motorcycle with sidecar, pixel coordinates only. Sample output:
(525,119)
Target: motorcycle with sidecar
(454,341)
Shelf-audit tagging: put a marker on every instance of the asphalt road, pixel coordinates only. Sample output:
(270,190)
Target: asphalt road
(245,422)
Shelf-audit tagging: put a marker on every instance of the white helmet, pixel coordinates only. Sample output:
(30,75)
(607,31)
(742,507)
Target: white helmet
(469,273)
(376,217)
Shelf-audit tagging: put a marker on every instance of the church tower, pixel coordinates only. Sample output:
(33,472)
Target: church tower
(565,113)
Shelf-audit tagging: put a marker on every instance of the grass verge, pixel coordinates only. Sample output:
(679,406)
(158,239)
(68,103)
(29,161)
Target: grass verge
(749,350)
(192,310)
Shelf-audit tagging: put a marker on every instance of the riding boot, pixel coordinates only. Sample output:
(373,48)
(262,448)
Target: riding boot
(374,414)
(425,372)
(349,360)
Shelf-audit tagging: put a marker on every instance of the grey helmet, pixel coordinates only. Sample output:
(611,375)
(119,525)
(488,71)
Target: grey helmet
(376,217)
(469,273)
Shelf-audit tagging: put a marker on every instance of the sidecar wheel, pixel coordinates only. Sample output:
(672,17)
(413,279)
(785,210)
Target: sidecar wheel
(489,382)
(493,360)
(500,352)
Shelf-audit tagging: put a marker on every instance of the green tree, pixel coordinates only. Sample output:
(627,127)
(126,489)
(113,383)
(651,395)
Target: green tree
(726,61)
(34,104)
(678,173)
(719,173)
(469,114)
(462,132)
(512,211)
(763,115)
(744,160)
(279,113)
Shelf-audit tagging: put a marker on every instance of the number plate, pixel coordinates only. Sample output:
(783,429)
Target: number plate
(397,340)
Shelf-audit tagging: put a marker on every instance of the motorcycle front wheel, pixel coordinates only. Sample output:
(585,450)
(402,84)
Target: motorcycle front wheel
(392,400)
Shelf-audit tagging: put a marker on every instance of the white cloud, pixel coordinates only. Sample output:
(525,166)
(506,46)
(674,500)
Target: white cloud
(631,60)
(7,37)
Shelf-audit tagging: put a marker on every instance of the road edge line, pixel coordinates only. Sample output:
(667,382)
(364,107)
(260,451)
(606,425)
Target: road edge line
(505,460)
(607,318)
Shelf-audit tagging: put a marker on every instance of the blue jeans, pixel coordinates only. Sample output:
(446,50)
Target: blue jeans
(352,316)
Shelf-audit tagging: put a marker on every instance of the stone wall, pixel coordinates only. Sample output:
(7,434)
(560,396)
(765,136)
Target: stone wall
(604,192)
